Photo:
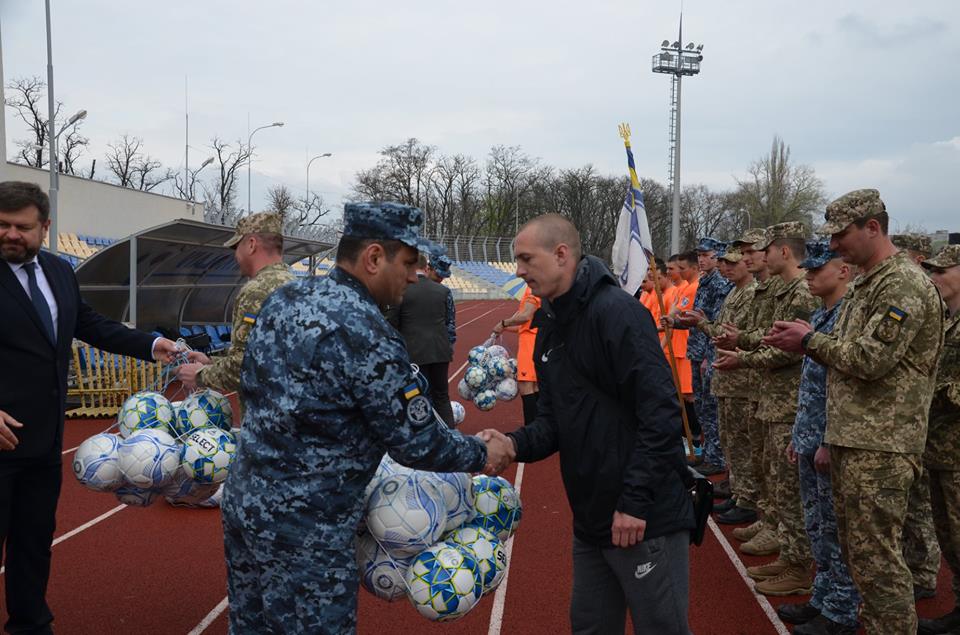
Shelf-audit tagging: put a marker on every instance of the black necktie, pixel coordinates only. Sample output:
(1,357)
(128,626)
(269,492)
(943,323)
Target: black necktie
(39,302)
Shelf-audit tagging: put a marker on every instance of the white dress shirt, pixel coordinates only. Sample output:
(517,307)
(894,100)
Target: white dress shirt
(42,282)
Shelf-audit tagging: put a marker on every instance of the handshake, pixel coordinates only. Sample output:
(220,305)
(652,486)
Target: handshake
(501,451)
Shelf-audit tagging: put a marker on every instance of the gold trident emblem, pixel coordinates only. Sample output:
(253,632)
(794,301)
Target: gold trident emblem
(625,132)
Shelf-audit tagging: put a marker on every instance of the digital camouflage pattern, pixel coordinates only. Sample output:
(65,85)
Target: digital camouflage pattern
(851,207)
(818,254)
(919,243)
(764,301)
(811,421)
(883,357)
(943,437)
(223,374)
(259,223)
(920,549)
(387,221)
(710,244)
(735,414)
(735,310)
(750,237)
(784,487)
(451,320)
(947,257)
(789,229)
(945,496)
(711,291)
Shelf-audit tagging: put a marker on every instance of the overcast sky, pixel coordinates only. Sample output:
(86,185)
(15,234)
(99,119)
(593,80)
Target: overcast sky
(865,91)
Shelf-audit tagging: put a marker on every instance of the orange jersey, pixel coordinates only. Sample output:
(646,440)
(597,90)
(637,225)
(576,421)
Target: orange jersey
(526,337)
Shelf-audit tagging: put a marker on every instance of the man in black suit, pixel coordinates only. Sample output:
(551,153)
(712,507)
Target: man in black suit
(40,312)
(424,320)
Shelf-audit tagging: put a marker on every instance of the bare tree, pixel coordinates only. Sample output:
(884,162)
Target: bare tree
(27,96)
(280,200)
(222,192)
(132,167)
(71,145)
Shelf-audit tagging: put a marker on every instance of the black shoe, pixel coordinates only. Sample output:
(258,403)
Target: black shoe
(709,469)
(821,625)
(721,489)
(737,516)
(725,506)
(941,624)
(923,593)
(797,613)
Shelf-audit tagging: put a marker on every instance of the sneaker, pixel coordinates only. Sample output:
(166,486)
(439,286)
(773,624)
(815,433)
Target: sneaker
(797,613)
(743,534)
(737,516)
(923,593)
(943,624)
(821,625)
(721,489)
(765,543)
(793,580)
(725,506)
(709,469)
(768,570)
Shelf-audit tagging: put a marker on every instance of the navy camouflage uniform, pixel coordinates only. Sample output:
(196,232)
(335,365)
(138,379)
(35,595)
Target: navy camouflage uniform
(834,593)
(711,292)
(441,264)
(328,388)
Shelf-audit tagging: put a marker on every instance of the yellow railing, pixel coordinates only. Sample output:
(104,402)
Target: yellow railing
(105,380)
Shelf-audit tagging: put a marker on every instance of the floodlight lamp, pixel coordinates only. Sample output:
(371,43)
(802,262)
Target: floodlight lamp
(676,45)
(278,124)
(690,46)
(205,164)
(77,117)
(700,47)
(665,43)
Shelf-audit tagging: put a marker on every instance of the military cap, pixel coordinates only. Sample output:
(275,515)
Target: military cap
(948,257)
(914,242)
(751,236)
(818,254)
(851,207)
(441,264)
(790,229)
(730,254)
(710,244)
(387,221)
(259,223)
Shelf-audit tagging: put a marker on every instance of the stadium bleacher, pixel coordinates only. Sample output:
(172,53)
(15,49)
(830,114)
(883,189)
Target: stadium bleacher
(75,248)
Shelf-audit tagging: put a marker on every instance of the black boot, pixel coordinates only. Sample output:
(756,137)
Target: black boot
(737,516)
(797,613)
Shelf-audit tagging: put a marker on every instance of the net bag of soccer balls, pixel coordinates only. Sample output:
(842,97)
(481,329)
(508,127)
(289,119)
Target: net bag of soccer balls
(491,376)
(436,538)
(181,451)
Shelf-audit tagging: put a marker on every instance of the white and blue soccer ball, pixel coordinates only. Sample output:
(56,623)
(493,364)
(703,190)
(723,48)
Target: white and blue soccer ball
(183,491)
(459,412)
(475,356)
(96,463)
(145,410)
(485,400)
(444,583)
(497,368)
(387,467)
(148,458)
(136,496)
(506,389)
(208,453)
(497,351)
(497,505)
(464,390)
(513,367)
(475,377)
(379,573)
(486,549)
(456,488)
(406,513)
(202,409)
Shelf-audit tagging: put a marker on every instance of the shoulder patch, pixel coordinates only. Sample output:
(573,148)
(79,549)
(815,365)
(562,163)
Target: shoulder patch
(896,314)
(418,409)
(411,391)
(890,324)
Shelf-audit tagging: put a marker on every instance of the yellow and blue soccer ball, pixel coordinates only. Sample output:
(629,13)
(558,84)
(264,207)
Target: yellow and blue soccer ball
(497,505)
(406,513)
(202,409)
(148,458)
(497,368)
(476,377)
(208,453)
(96,463)
(486,549)
(380,574)
(145,410)
(444,582)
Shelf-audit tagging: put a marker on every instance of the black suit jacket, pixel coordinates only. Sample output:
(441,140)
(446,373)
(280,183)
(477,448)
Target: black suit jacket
(33,372)
(422,320)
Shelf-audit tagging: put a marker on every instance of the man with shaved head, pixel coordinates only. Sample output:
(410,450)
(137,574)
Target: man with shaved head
(609,407)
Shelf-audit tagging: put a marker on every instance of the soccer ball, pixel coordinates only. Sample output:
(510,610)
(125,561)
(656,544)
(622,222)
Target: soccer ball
(202,409)
(387,467)
(512,362)
(486,549)
(464,390)
(497,368)
(96,463)
(475,356)
(497,505)
(406,513)
(379,573)
(208,453)
(444,583)
(148,458)
(183,490)
(485,400)
(497,351)
(459,412)
(136,497)
(475,377)
(145,410)
(507,389)
(456,488)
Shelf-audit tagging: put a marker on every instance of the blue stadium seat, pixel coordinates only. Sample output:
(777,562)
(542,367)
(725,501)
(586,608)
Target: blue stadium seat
(223,329)
(215,343)
(185,332)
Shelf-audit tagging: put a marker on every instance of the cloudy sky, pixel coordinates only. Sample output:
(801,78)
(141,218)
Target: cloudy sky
(865,91)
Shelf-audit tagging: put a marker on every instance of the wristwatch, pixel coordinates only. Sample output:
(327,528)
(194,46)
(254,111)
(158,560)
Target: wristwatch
(806,340)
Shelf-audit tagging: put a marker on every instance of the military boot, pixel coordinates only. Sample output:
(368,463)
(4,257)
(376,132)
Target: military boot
(947,623)
(797,613)
(768,570)
(765,543)
(822,625)
(743,534)
(793,580)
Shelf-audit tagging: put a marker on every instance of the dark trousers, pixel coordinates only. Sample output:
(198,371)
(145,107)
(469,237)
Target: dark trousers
(436,375)
(529,407)
(29,491)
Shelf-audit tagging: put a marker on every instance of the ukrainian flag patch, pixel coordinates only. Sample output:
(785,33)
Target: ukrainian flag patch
(249,318)
(411,391)
(896,314)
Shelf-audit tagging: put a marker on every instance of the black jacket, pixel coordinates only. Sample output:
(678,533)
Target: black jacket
(609,406)
(33,371)
(422,321)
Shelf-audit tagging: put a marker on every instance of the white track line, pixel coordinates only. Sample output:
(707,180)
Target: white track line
(210,618)
(500,597)
(457,372)
(738,564)
(477,318)
(65,452)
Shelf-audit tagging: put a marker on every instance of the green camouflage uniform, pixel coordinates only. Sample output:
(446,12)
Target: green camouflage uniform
(919,243)
(882,359)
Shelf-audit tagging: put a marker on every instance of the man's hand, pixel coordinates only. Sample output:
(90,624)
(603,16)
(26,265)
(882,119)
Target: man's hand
(165,350)
(728,339)
(8,440)
(198,358)
(791,454)
(727,360)
(500,451)
(498,328)
(627,530)
(691,318)
(187,374)
(821,460)
(787,335)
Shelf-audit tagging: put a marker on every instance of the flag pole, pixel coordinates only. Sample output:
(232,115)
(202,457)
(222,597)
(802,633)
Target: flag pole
(668,331)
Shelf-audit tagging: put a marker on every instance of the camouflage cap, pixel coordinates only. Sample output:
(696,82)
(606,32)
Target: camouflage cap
(710,244)
(948,257)
(732,255)
(818,254)
(914,242)
(751,236)
(387,221)
(259,223)
(851,207)
(790,229)
(441,264)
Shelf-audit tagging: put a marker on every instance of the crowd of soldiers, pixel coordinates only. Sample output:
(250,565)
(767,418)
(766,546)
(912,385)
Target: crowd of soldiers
(827,385)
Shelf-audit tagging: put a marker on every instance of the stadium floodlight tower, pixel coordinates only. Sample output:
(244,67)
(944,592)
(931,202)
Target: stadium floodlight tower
(677,61)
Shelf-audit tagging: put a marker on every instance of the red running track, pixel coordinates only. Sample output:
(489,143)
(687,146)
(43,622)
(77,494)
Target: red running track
(161,569)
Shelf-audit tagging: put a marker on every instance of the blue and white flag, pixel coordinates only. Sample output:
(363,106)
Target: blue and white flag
(633,247)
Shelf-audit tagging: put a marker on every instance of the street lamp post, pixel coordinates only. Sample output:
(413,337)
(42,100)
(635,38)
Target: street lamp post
(55,174)
(275,124)
(319,156)
(193,178)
